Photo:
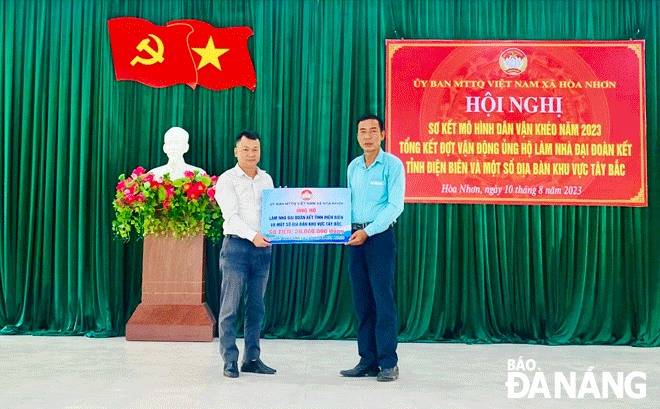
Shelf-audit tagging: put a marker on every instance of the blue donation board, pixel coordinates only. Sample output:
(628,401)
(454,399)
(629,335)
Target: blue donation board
(306,215)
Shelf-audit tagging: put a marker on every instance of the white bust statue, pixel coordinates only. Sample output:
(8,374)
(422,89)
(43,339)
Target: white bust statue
(176,144)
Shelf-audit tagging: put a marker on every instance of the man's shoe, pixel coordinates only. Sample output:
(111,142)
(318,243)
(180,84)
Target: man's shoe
(257,366)
(361,370)
(388,374)
(231,369)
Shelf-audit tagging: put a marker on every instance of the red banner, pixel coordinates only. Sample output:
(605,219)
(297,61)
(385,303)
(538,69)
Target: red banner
(525,122)
(183,52)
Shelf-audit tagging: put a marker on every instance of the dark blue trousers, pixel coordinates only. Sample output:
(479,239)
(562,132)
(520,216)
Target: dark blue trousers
(371,269)
(242,265)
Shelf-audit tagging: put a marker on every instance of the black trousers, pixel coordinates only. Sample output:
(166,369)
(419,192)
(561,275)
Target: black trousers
(371,269)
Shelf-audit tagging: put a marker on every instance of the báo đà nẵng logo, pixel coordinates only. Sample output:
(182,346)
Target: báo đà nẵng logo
(526,380)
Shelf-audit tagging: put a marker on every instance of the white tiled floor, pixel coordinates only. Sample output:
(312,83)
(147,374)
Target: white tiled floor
(77,372)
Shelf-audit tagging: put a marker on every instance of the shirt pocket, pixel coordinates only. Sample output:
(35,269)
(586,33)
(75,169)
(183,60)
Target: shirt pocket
(376,189)
(244,192)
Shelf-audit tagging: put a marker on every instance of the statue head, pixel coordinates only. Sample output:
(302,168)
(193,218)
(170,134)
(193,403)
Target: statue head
(176,142)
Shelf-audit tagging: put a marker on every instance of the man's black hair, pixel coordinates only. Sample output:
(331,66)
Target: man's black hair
(372,116)
(248,134)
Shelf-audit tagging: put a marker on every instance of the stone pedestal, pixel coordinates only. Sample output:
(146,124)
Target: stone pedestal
(172,307)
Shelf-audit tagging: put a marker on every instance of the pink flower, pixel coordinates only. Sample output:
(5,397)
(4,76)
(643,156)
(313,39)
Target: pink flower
(199,187)
(189,174)
(148,178)
(129,198)
(211,192)
(214,179)
(137,172)
(129,189)
(121,185)
(139,197)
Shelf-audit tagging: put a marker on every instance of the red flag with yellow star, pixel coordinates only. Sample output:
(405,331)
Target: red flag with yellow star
(221,55)
(157,56)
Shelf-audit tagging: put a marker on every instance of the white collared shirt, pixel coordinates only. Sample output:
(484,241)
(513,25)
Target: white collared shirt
(239,197)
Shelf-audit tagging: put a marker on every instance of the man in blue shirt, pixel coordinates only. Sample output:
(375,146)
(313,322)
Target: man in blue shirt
(377,183)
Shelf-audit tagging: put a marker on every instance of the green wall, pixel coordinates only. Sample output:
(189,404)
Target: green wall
(468,273)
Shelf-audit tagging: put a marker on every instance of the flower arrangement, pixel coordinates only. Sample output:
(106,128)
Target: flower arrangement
(160,206)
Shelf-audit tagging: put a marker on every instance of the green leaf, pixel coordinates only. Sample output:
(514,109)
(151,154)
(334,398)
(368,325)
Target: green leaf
(162,194)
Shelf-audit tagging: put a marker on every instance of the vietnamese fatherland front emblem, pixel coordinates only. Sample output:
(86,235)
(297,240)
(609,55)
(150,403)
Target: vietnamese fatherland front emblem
(513,61)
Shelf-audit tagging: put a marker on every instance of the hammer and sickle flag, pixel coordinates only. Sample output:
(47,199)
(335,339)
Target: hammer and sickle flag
(221,55)
(156,56)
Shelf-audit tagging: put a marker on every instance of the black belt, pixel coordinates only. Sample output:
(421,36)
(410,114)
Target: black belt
(362,226)
(359,226)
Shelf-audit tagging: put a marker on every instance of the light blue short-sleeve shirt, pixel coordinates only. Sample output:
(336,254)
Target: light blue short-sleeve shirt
(377,192)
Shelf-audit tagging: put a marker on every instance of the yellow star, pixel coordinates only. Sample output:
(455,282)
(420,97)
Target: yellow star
(210,54)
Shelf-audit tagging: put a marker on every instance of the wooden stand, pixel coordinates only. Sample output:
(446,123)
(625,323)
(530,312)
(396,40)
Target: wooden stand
(172,307)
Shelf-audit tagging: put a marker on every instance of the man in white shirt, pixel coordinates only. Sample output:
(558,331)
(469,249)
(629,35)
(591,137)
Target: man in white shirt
(245,255)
